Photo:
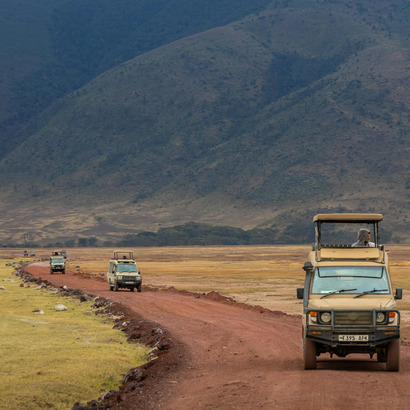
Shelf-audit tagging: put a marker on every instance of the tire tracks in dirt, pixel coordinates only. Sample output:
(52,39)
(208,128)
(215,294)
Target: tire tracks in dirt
(227,355)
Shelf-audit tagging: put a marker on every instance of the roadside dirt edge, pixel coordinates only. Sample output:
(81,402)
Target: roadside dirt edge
(167,356)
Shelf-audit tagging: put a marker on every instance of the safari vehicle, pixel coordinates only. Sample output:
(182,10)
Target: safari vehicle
(123,272)
(348,300)
(57,263)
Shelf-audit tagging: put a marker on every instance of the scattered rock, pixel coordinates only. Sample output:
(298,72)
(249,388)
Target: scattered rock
(60,307)
(78,406)
(134,375)
(108,394)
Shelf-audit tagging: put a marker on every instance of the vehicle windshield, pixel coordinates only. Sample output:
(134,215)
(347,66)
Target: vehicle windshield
(127,268)
(350,279)
(58,260)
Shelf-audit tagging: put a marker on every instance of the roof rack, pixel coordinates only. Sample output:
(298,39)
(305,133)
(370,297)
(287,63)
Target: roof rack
(348,218)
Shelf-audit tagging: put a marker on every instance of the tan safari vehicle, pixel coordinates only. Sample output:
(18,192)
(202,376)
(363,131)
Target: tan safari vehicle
(57,263)
(348,301)
(123,272)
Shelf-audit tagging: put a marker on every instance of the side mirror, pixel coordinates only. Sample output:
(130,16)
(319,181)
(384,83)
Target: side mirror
(307,266)
(299,293)
(399,293)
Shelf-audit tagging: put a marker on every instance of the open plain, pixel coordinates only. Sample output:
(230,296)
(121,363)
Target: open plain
(234,326)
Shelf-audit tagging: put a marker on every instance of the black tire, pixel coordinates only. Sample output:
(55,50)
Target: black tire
(64,272)
(115,287)
(309,354)
(382,356)
(51,272)
(132,289)
(393,356)
(139,287)
(111,288)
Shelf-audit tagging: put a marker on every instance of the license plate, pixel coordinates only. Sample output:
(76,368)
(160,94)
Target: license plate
(353,338)
(129,283)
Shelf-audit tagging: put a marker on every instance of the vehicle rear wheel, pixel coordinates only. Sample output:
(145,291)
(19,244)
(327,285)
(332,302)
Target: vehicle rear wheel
(309,354)
(393,356)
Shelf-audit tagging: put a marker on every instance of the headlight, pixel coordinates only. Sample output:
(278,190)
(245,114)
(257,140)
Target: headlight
(119,277)
(313,316)
(325,317)
(380,317)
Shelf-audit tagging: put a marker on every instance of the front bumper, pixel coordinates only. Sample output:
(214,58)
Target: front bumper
(377,333)
(129,282)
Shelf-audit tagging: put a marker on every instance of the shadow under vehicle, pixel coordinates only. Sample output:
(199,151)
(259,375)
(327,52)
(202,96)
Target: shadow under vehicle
(348,301)
(123,272)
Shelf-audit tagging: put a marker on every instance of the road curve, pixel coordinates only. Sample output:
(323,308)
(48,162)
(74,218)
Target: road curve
(243,358)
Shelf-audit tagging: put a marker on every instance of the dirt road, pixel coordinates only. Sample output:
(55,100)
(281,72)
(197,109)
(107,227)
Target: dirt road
(229,356)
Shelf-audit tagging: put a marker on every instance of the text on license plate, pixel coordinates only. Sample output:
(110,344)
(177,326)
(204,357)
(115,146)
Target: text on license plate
(353,338)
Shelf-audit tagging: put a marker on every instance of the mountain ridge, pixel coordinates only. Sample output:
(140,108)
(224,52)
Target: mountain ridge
(255,124)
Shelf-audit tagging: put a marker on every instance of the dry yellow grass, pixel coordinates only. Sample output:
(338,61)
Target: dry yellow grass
(258,275)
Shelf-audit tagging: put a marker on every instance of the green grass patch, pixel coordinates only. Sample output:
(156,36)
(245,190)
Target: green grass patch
(54,359)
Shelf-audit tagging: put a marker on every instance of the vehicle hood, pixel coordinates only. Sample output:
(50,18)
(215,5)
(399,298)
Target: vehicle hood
(363,302)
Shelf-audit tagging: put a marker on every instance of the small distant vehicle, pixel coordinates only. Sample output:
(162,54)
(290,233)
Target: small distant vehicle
(349,305)
(57,263)
(123,272)
(25,253)
(32,253)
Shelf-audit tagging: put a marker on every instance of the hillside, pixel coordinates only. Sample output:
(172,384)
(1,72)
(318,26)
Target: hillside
(261,122)
(52,47)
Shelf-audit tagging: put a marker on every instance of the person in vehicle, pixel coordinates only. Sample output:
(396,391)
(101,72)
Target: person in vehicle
(363,239)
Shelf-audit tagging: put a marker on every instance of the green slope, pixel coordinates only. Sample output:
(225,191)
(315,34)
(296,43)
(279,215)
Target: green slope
(260,122)
(49,48)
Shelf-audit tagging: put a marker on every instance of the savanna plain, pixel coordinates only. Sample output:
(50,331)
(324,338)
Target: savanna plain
(264,276)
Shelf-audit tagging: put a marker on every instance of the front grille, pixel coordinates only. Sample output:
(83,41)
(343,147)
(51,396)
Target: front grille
(128,277)
(357,318)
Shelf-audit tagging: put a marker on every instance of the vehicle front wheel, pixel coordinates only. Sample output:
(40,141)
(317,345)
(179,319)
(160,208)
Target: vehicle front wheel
(382,356)
(393,356)
(132,289)
(309,354)
(116,287)
(139,287)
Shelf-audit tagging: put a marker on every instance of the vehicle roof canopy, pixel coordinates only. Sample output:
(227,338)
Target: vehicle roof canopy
(121,255)
(348,218)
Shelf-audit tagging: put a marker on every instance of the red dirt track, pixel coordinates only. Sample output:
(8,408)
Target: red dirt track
(227,355)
